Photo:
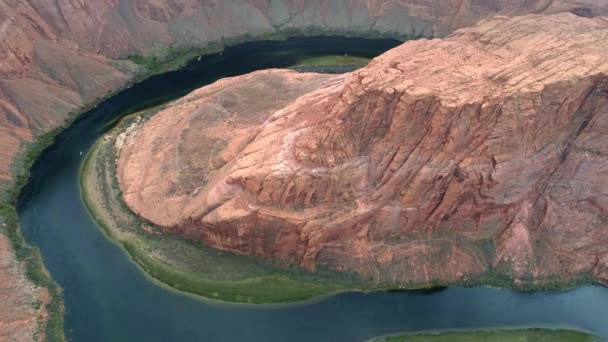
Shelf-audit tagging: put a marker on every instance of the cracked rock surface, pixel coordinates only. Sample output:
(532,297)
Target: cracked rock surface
(70,53)
(442,160)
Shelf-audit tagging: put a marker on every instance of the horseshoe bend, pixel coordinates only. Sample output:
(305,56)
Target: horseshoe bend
(468,163)
(478,157)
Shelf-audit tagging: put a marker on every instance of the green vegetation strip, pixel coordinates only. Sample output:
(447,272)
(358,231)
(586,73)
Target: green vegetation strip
(170,59)
(269,288)
(191,266)
(524,335)
(174,57)
(9,219)
(332,61)
(24,253)
(195,268)
(9,192)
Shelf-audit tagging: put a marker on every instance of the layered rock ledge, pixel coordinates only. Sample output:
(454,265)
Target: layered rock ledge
(443,160)
(66,52)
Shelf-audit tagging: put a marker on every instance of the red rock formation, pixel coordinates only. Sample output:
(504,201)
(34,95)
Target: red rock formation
(443,159)
(55,48)
(23,309)
(56,56)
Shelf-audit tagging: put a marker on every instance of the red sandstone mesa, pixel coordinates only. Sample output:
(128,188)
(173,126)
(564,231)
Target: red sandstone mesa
(65,51)
(57,56)
(483,152)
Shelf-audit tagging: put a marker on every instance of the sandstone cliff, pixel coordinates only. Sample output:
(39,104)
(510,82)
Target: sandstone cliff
(63,51)
(56,56)
(444,159)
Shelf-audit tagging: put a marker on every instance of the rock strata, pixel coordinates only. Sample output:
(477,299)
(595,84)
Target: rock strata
(57,56)
(23,311)
(485,153)
(65,51)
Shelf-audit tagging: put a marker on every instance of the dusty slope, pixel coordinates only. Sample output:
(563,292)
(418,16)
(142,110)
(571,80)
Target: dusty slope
(222,118)
(58,55)
(54,49)
(443,159)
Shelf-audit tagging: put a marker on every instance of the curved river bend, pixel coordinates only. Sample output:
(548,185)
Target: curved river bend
(108,298)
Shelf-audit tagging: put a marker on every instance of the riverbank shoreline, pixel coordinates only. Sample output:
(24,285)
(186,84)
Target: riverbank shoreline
(10,195)
(50,143)
(564,334)
(24,160)
(172,58)
(271,284)
(94,198)
(490,276)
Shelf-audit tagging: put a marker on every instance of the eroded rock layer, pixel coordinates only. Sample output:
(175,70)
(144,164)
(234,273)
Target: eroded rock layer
(445,159)
(65,51)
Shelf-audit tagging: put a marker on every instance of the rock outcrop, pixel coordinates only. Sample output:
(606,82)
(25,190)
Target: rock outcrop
(57,56)
(443,160)
(65,51)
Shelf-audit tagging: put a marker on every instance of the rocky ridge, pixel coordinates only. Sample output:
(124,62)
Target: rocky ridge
(23,308)
(58,56)
(65,52)
(443,160)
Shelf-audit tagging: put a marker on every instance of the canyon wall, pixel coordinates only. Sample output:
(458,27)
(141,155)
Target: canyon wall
(58,56)
(485,153)
(65,51)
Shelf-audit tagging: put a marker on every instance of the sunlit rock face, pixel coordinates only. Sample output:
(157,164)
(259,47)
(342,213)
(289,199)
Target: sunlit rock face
(58,56)
(445,159)
(65,51)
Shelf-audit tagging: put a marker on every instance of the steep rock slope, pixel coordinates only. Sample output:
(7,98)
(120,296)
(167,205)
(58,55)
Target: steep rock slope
(62,51)
(221,119)
(446,159)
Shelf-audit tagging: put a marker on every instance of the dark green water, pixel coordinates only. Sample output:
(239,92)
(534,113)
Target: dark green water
(107,298)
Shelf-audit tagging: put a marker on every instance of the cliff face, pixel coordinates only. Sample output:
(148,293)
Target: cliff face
(59,55)
(63,51)
(443,159)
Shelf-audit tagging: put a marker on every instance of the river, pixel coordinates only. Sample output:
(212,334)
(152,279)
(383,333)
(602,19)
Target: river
(108,298)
